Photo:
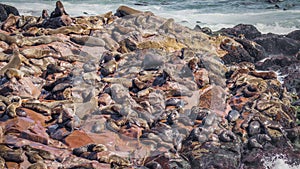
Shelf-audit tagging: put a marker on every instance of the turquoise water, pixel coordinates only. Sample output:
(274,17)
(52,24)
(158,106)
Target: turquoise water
(215,14)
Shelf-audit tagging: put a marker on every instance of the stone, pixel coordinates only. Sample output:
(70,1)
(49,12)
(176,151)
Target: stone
(277,44)
(249,31)
(236,52)
(152,62)
(77,139)
(294,35)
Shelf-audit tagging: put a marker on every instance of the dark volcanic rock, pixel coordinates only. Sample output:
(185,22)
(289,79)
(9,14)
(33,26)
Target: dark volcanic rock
(236,52)
(5,10)
(276,44)
(255,50)
(249,31)
(276,62)
(226,156)
(294,35)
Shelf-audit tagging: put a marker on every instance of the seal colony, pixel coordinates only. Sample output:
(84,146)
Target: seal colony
(133,90)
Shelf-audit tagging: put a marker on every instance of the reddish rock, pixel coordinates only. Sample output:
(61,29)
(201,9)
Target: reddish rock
(26,128)
(37,117)
(12,165)
(24,88)
(77,139)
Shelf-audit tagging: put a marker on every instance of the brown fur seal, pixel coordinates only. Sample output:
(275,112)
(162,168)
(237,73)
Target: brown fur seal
(16,102)
(15,61)
(76,29)
(87,40)
(32,41)
(9,23)
(14,73)
(8,39)
(4,57)
(125,10)
(57,22)
(38,53)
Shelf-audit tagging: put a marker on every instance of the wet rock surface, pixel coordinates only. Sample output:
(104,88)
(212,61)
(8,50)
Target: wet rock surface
(134,90)
(279,53)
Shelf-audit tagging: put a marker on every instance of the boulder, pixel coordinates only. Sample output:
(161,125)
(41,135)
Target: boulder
(5,10)
(249,31)
(235,52)
(294,35)
(256,51)
(278,44)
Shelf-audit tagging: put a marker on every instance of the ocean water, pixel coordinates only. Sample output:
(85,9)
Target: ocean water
(215,14)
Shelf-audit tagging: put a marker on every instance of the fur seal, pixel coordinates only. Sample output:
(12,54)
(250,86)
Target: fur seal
(28,41)
(9,23)
(87,40)
(8,39)
(58,17)
(4,57)
(59,10)
(125,10)
(76,29)
(38,53)
(57,22)
(14,73)
(15,61)
(16,102)
(32,41)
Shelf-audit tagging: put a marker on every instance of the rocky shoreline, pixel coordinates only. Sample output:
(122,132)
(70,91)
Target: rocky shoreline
(134,90)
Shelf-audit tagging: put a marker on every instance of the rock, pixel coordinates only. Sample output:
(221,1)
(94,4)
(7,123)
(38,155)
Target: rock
(249,31)
(152,62)
(294,35)
(256,51)
(38,165)
(5,10)
(277,44)
(216,157)
(236,52)
(275,62)
(28,129)
(142,91)
(77,139)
